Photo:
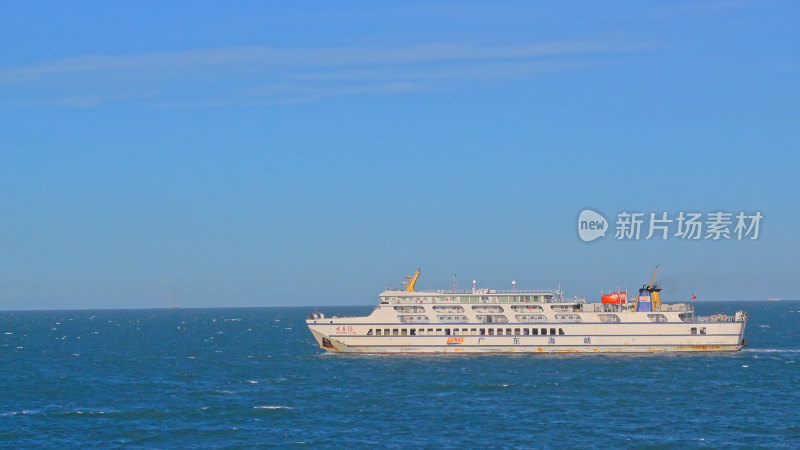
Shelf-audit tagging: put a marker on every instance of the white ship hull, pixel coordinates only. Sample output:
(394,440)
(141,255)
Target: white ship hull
(583,338)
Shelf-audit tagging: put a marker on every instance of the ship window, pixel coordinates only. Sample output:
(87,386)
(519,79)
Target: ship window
(527,308)
(525,331)
(544,331)
(377,332)
(413,332)
(569,317)
(608,318)
(531,318)
(535,331)
(385,331)
(694,330)
(369,333)
(430,331)
(403,332)
(447,331)
(438,331)
(491,331)
(516,331)
(508,331)
(449,309)
(395,331)
(702,330)
(499,331)
(483,331)
(475,331)
(453,318)
(561,331)
(656,318)
(552,331)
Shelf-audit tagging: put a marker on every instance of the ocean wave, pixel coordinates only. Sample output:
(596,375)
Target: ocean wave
(272,407)
(771,350)
(90,411)
(23,412)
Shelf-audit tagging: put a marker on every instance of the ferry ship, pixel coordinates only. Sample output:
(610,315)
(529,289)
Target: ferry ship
(526,321)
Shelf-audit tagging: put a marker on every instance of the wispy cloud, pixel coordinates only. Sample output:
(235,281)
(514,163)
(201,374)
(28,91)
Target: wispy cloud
(321,71)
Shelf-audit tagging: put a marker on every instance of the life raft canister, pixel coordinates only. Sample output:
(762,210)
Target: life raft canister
(615,297)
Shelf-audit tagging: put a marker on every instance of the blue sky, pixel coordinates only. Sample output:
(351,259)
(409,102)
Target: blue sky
(311,153)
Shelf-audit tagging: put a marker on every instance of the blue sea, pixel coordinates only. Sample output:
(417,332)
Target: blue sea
(207,378)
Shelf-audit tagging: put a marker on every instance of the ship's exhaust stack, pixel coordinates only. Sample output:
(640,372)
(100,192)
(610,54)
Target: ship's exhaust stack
(645,301)
(656,297)
(649,295)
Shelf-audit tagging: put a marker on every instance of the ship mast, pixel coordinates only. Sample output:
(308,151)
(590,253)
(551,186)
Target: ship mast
(653,278)
(412,282)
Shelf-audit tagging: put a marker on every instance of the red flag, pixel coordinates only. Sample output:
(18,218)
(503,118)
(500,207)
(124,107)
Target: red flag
(694,297)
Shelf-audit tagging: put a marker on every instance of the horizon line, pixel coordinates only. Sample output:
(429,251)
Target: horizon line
(160,308)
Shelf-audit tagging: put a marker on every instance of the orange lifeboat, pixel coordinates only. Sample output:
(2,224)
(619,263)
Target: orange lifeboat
(615,297)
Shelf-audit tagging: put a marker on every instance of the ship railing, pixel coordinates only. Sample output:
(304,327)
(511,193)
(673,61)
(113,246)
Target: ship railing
(715,318)
(496,291)
(676,307)
(418,300)
(525,291)
(483,291)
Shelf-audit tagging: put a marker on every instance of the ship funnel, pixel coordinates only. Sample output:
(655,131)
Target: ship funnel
(644,302)
(649,295)
(655,294)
